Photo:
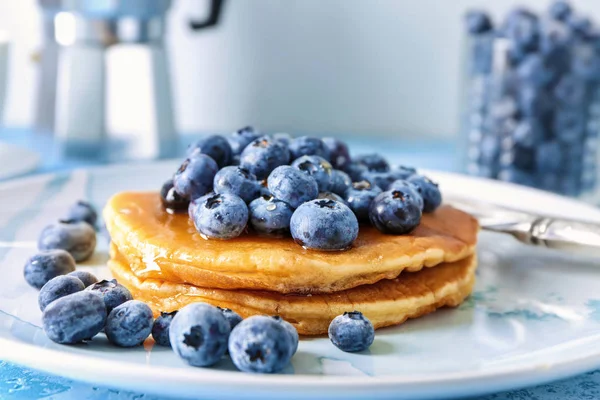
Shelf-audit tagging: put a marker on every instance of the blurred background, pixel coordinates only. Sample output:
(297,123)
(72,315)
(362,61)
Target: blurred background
(392,69)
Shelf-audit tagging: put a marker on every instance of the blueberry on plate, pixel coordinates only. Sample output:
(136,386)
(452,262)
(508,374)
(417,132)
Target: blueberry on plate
(220,216)
(340,182)
(270,216)
(359,198)
(74,318)
(113,293)
(46,265)
(404,185)
(58,287)
(324,225)
(241,138)
(78,238)
(292,332)
(339,155)
(129,324)
(260,344)
(85,277)
(263,155)
(429,191)
(171,200)
(82,211)
(373,162)
(199,334)
(291,185)
(160,328)
(309,146)
(355,170)
(478,22)
(351,332)
(317,167)
(560,10)
(237,181)
(215,146)
(231,316)
(195,176)
(395,211)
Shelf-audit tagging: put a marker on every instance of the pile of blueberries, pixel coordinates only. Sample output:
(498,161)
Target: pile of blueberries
(533,99)
(76,307)
(307,187)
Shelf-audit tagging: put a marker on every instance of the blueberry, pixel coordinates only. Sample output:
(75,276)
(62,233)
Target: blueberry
(339,154)
(560,10)
(503,108)
(533,102)
(82,211)
(58,287)
(238,181)
(199,334)
(241,138)
(231,316)
(113,293)
(373,162)
(355,170)
(359,198)
(535,71)
(317,167)
(46,265)
(171,200)
(478,22)
(195,176)
(395,211)
(260,344)
(74,318)
(384,179)
(528,133)
(522,28)
(85,277)
(160,328)
(429,191)
(129,324)
(309,146)
(481,53)
(215,146)
(78,238)
(351,332)
(402,185)
(569,125)
(283,137)
(581,26)
(332,196)
(586,63)
(519,157)
(340,182)
(291,185)
(324,225)
(270,216)
(263,155)
(220,216)
(549,157)
(570,90)
(291,331)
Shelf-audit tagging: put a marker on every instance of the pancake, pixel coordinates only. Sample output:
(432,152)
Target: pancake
(385,303)
(160,245)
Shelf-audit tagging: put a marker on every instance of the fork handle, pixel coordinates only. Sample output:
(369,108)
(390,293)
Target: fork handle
(577,237)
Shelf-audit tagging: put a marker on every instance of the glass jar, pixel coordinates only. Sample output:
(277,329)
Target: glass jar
(532,115)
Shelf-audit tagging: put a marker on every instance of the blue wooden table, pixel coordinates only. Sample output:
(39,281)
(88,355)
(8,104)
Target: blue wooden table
(17,382)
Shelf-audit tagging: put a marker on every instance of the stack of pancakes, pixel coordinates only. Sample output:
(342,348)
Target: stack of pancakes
(164,262)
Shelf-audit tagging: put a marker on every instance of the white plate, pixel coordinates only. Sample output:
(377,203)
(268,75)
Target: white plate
(534,315)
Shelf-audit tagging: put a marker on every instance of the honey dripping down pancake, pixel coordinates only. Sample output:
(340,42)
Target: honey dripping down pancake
(156,244)
(387,302)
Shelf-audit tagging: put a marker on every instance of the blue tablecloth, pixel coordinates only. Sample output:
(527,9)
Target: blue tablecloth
(24,383)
